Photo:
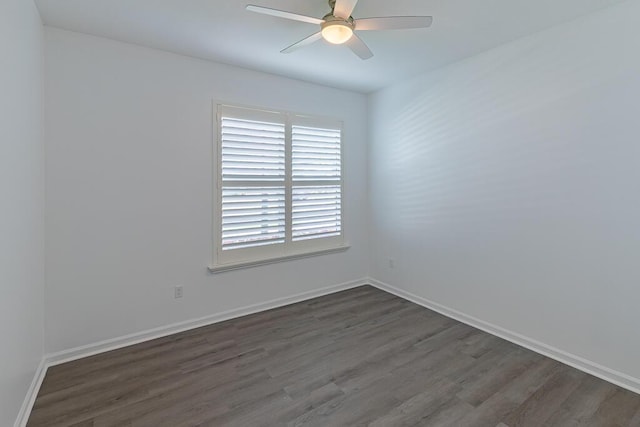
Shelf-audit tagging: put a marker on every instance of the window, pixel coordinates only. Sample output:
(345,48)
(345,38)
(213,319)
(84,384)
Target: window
(278,186)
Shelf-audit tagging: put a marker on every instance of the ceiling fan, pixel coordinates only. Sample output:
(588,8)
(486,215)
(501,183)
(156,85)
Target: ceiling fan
(338,26)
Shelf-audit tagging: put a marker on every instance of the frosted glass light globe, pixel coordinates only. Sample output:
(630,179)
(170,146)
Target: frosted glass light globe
(336,32)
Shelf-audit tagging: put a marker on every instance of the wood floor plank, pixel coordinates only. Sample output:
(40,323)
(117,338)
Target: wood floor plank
(481,386)
(582,404)
(546,400)
(420,407)
(353,358)
(616,410)
(504,402)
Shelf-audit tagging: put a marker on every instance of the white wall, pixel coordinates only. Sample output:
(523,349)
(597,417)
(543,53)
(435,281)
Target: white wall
(129,188)
(21,202)
(506,187)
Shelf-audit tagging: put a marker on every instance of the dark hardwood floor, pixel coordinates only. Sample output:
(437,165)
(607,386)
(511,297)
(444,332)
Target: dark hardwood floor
(358,357)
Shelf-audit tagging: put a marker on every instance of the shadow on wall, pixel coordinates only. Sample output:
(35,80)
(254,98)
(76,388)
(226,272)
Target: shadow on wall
(490,127)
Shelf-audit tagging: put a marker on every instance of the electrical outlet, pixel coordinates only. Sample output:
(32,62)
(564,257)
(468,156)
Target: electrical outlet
(392,263)
(177,292)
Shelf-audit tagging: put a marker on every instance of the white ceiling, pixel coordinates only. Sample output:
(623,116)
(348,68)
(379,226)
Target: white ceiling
(223,31)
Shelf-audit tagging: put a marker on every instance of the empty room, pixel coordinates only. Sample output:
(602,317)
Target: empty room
(319,213)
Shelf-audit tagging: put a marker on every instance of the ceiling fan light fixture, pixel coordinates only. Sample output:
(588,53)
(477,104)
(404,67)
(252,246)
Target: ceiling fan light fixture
(337,32)
(338,26)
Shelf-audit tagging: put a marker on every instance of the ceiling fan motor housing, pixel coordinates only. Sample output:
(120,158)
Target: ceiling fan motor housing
(330,19)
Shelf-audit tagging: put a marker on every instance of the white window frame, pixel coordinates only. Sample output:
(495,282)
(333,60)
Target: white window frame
(247,257)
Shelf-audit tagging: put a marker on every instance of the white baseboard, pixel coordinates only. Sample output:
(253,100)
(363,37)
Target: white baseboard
(32,392)
(618,378)
(138,337)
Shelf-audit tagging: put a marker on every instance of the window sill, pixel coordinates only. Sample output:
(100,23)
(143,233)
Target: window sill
(248,264)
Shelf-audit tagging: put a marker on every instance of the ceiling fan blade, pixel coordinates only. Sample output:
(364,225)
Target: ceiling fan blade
(283,14)
(359,47)
(393,23)
(344,8)
(302,43)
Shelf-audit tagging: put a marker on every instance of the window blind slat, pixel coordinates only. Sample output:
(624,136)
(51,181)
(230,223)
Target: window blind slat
(250,158)
(318,211)
(230,169)
(233,244)
(310,220)
(316,150)
(315,132)
(306,164)
(252,223)
(317,227)
(267,141)
(256,155)
(322,235)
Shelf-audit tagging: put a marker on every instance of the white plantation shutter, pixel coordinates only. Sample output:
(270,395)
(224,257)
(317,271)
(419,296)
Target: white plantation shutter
(316,175)
(279,181)
(316,154)
(252,156)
